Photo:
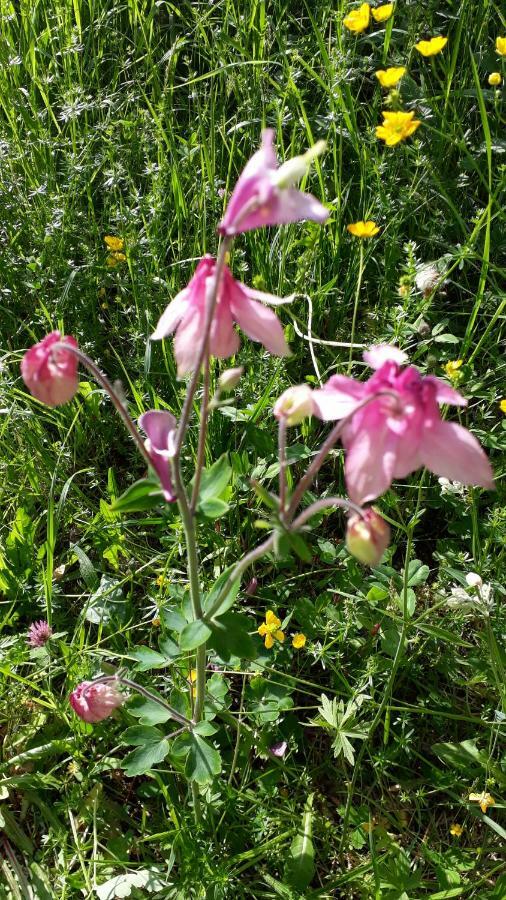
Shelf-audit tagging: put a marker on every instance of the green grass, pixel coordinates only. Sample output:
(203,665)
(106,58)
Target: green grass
(134,119)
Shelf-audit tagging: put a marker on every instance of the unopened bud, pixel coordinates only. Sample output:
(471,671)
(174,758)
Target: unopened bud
(251,587)
(367,537)
(295,404)
(474,580)
(291,172)
(230,378)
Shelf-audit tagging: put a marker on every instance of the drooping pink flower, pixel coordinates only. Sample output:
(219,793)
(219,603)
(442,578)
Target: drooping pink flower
(94,701)
(367,536)
(160,427)
(235,303)
(39,633)
(51,374)
(265,194)
(392,436)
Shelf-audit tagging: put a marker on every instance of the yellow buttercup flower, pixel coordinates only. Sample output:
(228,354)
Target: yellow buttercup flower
(383,12)
(299,641)
(114,259)
(192,678)
(494,79)
(358,19)
(502,405)
(271,629)
(430,48)
(397,126)
(388,78)
(363,229)
(452,368)
(485,800)
(456,829)
(114,243)
(500,46)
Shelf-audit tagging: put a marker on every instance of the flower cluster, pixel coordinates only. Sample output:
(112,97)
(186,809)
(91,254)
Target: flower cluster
(271,631)
(358,19)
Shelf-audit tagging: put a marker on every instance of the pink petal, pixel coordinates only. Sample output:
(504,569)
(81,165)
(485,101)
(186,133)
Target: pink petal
(224,340)
(370,459)
(382,353)
(172,315)
(338,398)
(258,322)
(453,452)
(188,340)
(252,183)
(444,393)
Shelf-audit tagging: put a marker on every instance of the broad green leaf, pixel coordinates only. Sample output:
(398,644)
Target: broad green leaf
(121,885)
(230,637)
(139,735)
(107,603)
(143,495)
(173,619)
(300,867)
(194,635)
(214,508)
(214,480)
(216,589)
(205,729)
(148,658)
(410,601)
(203,762)
(144,758)
(148,711)
(168,647)
(417,573)
(268,499)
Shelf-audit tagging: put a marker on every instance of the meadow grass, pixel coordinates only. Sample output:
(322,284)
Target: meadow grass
(134,119)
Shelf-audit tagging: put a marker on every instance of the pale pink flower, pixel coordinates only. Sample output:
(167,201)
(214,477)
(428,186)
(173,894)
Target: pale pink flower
(94,701)
(392,436)
(235,303)
(265,194)
(160,427)
(39,633)
(367,537)
(49,374)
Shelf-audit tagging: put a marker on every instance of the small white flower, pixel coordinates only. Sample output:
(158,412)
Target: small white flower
(451,487)
(426,278)
(474,580)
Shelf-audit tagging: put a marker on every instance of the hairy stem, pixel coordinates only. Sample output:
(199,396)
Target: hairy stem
(119,677)
(204,419)
(282,465)
(355,304)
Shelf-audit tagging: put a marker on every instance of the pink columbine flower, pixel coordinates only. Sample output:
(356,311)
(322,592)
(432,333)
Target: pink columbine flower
(235,303)
(51,374)
(265,194)
(39,633)
(94,701)
(160,427)
(393,436)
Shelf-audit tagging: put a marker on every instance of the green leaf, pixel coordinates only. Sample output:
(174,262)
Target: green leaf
(417,573)
(268,499)
(141,760)
(215,479)
(149,880)
(148,659)
(205,729)
(216,589)
(300,547)
(230,637)
(138,735)
(300,867)
(194,635)
(203,762)
(143,495)
(148,711)
(172,619)
(168,647)
(410,601)
(214,508)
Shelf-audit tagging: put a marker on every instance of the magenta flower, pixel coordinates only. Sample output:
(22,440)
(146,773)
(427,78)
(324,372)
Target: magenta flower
(393,436)
(235,303)
(265,194)
(39,633)
(160,427)
(49,374)
(94,701)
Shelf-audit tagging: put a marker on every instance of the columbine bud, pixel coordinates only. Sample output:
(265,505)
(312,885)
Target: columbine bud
(291,172)
(251,587)
(230,378)
(367,537)
(295,404)
(474,580)
(94,701)
(51,374)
